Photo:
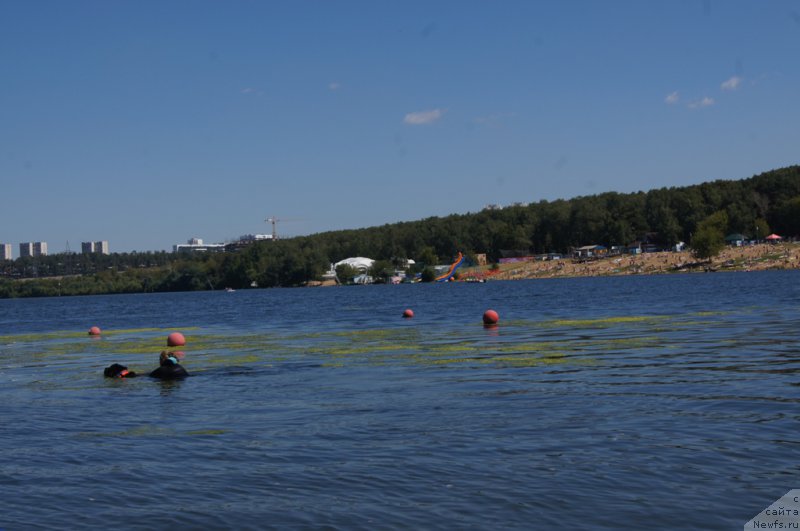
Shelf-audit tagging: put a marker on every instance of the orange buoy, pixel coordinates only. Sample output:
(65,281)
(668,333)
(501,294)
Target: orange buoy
(490,318)
(176,339)
(94,331)
(408,313)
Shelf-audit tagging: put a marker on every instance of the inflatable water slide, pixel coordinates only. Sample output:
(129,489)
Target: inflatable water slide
(449,275)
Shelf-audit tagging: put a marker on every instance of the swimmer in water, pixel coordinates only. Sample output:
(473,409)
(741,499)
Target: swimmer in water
(169,368)
(118,371)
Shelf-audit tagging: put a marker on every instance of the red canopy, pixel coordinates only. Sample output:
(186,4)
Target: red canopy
(774,236)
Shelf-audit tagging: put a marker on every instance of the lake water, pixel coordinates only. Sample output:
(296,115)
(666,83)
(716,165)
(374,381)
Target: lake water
(659,402)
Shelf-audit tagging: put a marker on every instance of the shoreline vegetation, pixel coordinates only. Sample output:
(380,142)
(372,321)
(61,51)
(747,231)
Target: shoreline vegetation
(703,217)
(759,257)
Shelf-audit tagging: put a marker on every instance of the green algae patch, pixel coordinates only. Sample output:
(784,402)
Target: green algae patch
(233,359)
(72,334)
(603,322)
(375,333)
(454,347)
(526,361)
(368,349)
(542,346)
(522,323)
(628,342)
(146,330)
(46,336)
(137,431)
(450,361)
(238,342)
(134,347)
(207,432)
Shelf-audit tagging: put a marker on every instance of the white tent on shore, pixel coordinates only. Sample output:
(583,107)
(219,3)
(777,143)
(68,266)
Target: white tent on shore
(359,262)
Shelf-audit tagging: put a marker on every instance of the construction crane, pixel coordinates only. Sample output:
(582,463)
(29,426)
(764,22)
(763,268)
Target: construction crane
(274,221)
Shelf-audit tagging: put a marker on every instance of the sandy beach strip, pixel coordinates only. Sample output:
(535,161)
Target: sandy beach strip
(747,258)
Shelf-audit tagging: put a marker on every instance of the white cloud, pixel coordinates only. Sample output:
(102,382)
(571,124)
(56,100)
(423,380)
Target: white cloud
(423,117)
(705,102)
(334,85)
(252,91)
(672,98)
(731,84)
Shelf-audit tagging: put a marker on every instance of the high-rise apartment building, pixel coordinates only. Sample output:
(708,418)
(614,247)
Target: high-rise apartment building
(94,247)
(5,249)
(32,249)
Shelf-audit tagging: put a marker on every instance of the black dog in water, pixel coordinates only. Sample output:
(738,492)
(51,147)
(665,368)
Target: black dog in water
(118,371)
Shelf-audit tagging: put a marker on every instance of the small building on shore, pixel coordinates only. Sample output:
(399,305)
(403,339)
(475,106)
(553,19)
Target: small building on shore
(590,251)
(735,239)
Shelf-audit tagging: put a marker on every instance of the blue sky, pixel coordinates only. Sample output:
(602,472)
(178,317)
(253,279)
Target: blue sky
(148,122)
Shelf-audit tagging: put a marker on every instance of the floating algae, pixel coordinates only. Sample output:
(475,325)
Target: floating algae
(207,432)
(145,430)
(148,430)
(231,342)
(233,360)
(372,347)
(38,338)
(526,361)
(541,346)
(604,322)
(627,342)
(148,346)
(443,349)
(343,352)
(373,333)
(117,332)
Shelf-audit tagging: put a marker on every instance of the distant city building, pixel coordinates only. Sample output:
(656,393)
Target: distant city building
(6,249)
(196,244)
(250,238)
(29,249)
(94,247)
(245,240)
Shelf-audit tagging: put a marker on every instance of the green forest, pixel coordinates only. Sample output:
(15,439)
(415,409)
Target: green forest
(698,215)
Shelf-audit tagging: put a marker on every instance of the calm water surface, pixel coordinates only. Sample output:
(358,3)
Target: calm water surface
(646,402)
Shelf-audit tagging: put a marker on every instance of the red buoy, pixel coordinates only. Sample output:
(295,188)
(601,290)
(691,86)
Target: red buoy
(176,339)
(94,331)
(408,313)
(490,318)
(179,354)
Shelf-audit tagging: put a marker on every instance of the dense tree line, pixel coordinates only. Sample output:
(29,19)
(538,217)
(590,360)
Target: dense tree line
(754,207)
